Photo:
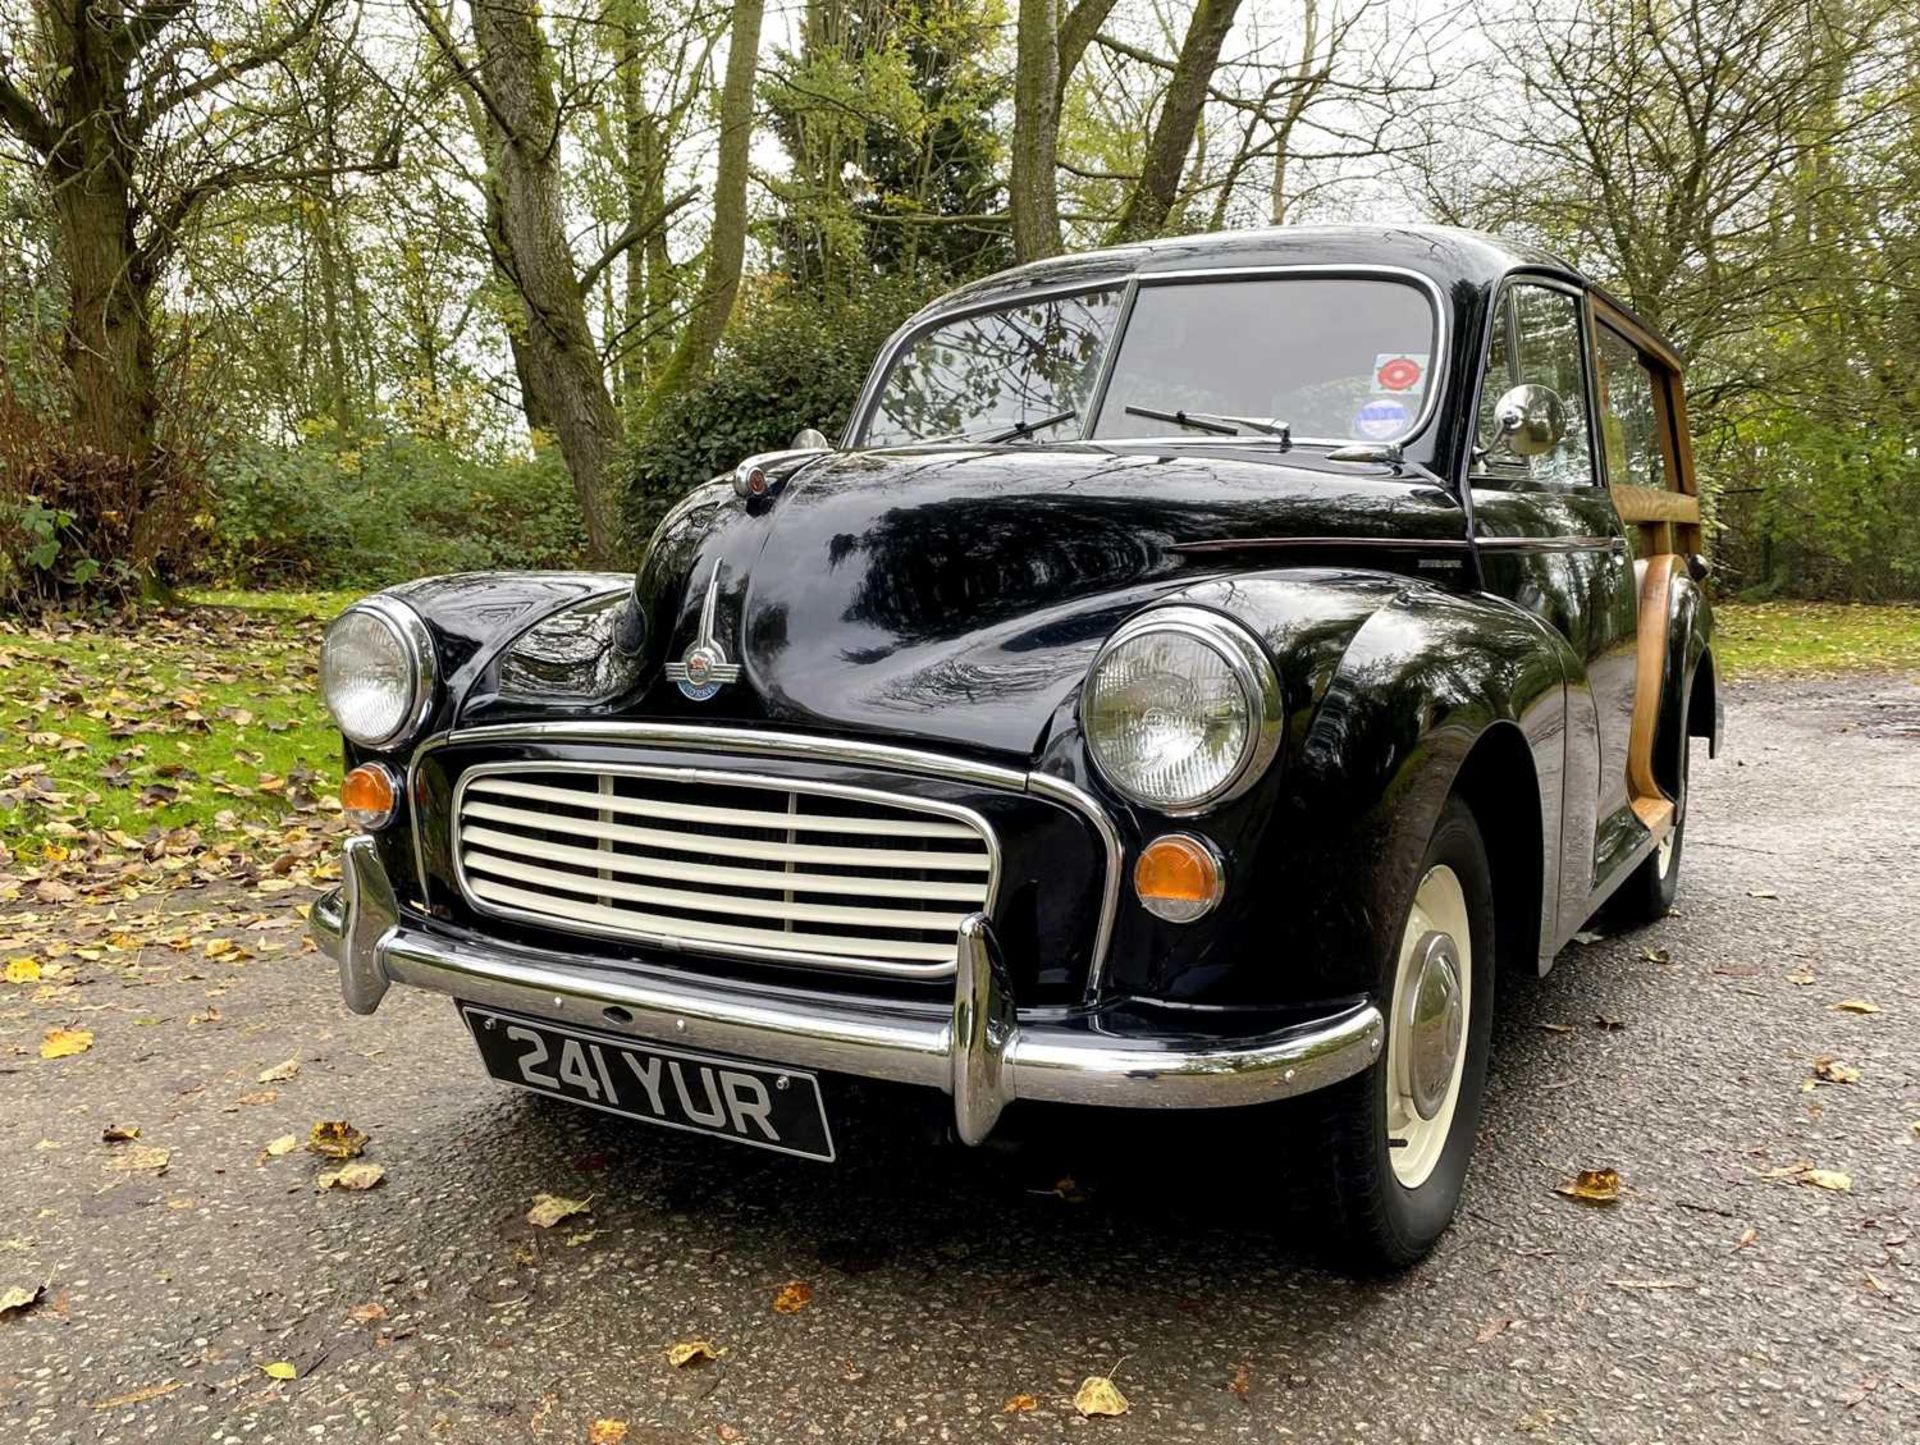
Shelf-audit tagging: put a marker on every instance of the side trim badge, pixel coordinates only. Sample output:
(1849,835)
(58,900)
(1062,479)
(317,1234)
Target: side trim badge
(703,669)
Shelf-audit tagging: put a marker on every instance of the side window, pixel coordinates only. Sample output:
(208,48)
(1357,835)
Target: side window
(1629,423)
(1536,342)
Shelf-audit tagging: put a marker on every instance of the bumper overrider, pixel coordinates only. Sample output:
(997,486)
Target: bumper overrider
(980,1053)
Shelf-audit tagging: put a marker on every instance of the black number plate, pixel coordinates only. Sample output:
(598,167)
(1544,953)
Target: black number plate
(758,1104)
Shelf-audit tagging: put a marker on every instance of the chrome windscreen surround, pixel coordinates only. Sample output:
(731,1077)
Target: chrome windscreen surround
(733,863)
(734,742)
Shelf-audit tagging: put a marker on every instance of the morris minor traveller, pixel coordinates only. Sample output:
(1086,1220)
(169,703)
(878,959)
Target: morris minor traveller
(1197,673)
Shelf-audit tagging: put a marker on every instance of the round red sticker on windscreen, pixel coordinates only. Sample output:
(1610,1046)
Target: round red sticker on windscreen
(1399,373)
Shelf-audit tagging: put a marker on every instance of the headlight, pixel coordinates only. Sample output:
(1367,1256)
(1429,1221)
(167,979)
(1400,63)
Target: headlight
(1181,710)
(376,672)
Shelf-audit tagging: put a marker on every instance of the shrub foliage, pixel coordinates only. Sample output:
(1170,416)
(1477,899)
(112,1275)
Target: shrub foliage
(789,361)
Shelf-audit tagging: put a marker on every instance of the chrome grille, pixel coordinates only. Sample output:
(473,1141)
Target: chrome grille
(737,864)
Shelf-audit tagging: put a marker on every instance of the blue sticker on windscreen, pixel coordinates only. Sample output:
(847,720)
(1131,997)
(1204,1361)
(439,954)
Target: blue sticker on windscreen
(1381,418)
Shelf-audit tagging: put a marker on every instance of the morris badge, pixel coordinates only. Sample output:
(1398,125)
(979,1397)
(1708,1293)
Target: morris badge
(703,669)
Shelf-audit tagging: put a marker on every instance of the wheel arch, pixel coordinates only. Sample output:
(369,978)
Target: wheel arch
(1512,830)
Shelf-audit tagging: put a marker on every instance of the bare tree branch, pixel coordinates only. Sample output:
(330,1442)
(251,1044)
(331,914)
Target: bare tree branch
(639,231)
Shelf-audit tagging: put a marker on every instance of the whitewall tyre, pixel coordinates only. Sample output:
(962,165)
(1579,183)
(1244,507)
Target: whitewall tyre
(1394,1142)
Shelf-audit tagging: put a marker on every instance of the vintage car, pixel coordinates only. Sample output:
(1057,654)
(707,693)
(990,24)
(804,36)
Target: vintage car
(1198,670)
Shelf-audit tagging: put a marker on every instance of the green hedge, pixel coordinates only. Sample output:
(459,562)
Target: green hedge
(788,362)
(371,512)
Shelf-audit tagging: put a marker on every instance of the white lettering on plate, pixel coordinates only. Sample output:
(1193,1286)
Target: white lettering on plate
(713,1116)
(532,1058)
(757,1106)
(649,1076)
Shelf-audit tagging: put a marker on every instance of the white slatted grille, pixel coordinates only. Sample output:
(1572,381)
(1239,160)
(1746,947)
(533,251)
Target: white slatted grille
(829,876)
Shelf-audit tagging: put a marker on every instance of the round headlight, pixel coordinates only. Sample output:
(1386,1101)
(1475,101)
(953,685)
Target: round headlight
(1181,710)
(376,672)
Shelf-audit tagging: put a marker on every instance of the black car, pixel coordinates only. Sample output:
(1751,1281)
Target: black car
(1201,667)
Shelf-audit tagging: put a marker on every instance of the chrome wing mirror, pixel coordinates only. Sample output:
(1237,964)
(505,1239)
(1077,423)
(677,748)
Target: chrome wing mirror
(1529,421)
(810,439)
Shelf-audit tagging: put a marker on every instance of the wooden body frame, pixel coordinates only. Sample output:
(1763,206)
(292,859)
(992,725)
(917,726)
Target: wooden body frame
(1669,523)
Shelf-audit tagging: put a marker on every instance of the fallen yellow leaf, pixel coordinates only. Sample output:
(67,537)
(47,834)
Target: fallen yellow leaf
(1098,1395)
(549,1209)
(18,1297)
(285,1144)
(336,1139)
(1747,1237)
(280,1370)
(1832,1071)
(279,1073)
(1019,1405)
(367,1313)
(119,1133)
(64,1043)
(355,1177)
(691,1352)
(1832,1179)
(137,1157)
(793,1298)
(1857,1006)
(606,1432)
(23,970)
(1593,1186)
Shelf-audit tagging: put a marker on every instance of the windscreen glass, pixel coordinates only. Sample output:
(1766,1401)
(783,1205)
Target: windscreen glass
(1334,358)
(979,375)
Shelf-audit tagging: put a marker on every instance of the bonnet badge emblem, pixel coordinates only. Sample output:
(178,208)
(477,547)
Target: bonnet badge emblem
(703,668)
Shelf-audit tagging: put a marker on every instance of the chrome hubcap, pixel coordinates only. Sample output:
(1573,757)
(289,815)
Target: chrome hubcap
(1435,1022)
(1430,1016)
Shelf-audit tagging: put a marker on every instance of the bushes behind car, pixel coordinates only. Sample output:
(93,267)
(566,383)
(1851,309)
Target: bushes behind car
(372,511)
(789,361)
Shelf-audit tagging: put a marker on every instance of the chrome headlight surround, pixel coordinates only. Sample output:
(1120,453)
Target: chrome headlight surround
(414,667)
(1252,674)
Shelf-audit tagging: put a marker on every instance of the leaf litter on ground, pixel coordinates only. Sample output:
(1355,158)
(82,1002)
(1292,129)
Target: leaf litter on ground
(355,1178)
(336,1139)
(1592,1186)
(549,1209)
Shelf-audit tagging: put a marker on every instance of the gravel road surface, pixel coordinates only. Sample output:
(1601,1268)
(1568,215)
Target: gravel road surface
(955,1295)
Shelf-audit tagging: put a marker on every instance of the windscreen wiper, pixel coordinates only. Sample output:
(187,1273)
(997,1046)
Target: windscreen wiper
(1003,432)
(1220,423)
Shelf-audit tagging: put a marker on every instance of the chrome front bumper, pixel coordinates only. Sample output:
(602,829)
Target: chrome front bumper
(979,1052)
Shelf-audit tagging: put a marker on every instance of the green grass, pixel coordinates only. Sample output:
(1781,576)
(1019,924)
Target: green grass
(320,606)
(203,717)
(1797,639)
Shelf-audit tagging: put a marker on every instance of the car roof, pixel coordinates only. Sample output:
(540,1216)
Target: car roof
(1446,255)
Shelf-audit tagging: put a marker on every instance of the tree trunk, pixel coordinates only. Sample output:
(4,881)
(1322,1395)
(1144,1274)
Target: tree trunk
(559,362)
(644,197)
(108,342)
(1303,90)
(727,243)
(1032,184)
(1077,30)
(107,346)
(1151,201)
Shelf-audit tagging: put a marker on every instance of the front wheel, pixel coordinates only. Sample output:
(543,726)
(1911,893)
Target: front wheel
(1394,1143)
